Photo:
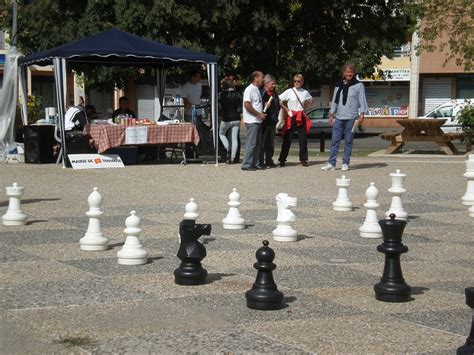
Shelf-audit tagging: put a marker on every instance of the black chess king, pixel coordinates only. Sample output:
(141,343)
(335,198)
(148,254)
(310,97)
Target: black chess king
(191,252)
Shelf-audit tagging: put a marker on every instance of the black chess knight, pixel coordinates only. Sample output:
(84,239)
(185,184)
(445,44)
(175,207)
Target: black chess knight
(264,294)
(468,348)
(392,286)
(191,253)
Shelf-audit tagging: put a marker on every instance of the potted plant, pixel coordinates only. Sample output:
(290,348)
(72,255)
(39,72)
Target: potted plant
(34,107)
(466,120)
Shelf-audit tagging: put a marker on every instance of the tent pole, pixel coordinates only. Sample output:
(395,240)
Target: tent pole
(23,95)
(61,92)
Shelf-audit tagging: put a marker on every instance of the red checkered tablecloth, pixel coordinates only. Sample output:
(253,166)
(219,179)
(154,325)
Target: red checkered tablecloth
(108,136)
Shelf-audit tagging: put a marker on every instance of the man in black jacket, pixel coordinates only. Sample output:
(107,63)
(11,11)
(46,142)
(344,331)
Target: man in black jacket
(271,104)
(230,104)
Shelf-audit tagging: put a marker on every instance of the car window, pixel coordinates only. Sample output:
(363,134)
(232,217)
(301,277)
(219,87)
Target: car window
(446,111)
(319,114)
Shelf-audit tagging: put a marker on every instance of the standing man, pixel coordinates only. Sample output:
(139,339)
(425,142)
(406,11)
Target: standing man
(272,108)
(348,105)
(191,93)
(253,116)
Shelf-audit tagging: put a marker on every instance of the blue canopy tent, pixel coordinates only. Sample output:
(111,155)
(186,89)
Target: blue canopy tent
(115,47)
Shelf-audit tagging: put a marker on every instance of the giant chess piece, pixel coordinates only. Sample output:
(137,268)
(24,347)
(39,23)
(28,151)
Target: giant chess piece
(264,294)
(94,239)
(371,227)
(342,203)
(468,348)
(191,210)
(233,220)
(468,198)
(397,189)
(191,253)
(132,252)
(14,215)
(284,231)
(392,286)
(471,210)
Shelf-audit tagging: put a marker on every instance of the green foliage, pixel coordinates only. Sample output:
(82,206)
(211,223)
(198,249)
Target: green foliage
(276,36)
(34,107)
(466,118)
(447,26)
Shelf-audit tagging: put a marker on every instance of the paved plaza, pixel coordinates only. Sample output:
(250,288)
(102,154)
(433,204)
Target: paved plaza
(55,298)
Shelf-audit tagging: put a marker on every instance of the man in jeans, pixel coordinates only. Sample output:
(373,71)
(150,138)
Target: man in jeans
(253,116)
(348,105)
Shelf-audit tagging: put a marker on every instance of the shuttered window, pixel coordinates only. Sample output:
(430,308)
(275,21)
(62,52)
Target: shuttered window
(436,92)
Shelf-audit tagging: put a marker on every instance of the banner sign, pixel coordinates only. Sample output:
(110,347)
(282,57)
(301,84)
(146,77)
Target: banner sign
(95,161)
(136,135)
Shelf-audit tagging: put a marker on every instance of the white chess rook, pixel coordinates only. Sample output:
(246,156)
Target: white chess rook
(233,220)
(397,189)
(468,198)
(342,203)
(371,227)
(132,252)
(14,215)
(284,231)
(94,240)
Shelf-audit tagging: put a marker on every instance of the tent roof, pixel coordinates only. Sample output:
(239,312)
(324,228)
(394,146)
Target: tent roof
(116,47)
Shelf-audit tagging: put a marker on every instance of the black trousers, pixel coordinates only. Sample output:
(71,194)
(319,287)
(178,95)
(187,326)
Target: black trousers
(288,137)
(268,144)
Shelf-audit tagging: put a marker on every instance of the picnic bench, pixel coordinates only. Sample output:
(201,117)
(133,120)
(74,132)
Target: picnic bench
(421,130)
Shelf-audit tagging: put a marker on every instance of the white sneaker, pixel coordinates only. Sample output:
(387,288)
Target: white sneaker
(328,167)
(345,167)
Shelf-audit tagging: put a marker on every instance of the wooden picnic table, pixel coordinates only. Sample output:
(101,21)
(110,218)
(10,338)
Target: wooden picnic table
(421,130)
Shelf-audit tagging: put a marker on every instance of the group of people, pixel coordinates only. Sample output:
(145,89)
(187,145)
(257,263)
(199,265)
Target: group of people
(263,111)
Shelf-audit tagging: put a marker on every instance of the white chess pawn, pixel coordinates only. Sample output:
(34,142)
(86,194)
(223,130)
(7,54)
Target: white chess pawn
(191,210)
(14,215)
(284,231)
(94,240)
(371,227)
(342,203)
(233,220)
(132,252)
(468,198)
(471,211)
(397,190)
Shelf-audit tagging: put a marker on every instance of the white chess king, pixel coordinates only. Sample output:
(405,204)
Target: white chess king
(468,198)
(14,215)
(284,231)
(397,189)
(132,252)
(342,203)
(233,220)
(94,240)
(371,227)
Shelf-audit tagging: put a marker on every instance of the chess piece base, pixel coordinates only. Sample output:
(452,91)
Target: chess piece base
(370,231)
(370,235)
(347,208)
(234,225)
(86,247)
(387,291)
(137,261)
(8,221)
(285,234)
(190,274)
(264,300)
(94,243)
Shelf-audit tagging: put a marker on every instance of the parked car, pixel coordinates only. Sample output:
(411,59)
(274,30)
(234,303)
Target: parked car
(449,110)
(320,122)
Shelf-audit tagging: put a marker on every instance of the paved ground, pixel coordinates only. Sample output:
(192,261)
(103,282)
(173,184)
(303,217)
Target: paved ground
(56,298)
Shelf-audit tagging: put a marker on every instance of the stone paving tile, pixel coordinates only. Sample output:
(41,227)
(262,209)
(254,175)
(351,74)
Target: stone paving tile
(417,208)
(67,292)
(449,286)
(223,341)
(454,321)
(363,298)
(32,271)
(416,272)
(10,253)
(251,228)
(457,253)
(358,334)
(120,319)
(106,221)
(42,237)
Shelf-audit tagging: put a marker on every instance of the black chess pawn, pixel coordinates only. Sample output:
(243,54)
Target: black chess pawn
(392,286)
(264,294)
(468,348)
(191,253)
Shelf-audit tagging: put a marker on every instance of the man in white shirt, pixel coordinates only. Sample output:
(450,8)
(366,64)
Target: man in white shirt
(253,116)
(191,93)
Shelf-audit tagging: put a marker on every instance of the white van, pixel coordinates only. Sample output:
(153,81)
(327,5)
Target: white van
(449,110)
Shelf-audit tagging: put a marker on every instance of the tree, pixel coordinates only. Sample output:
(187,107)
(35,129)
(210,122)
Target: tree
(276,36)
(447,26)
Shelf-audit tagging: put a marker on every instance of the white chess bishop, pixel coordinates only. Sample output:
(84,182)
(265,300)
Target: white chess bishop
(284,231)
(14,215)
(342,203)
(468,198)
(233,220)
(371,227)
(132,252)
(94,239)
(397,189)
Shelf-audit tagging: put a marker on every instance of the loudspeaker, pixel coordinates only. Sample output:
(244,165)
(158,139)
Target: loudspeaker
(39,142)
